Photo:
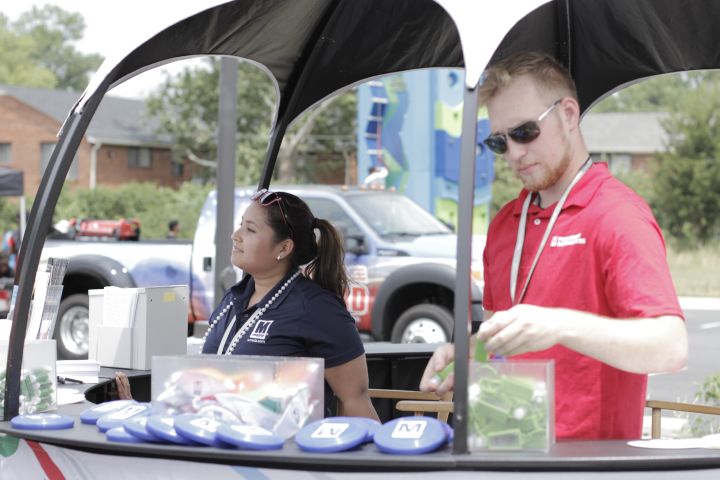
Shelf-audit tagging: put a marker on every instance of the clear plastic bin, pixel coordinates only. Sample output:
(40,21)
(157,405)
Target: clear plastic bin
(278,394)
(38,380)
(511,405)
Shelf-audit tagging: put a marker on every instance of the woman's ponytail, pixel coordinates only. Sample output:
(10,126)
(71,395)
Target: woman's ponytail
(328,267)
(323,258)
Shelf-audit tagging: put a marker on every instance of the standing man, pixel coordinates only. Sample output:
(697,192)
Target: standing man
(575,267)
(173,229)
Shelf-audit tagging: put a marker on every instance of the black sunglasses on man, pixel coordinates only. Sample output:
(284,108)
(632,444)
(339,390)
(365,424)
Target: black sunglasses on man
(524,133)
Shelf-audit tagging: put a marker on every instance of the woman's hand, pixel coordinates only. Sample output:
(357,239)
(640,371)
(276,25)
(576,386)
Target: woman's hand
(123,386)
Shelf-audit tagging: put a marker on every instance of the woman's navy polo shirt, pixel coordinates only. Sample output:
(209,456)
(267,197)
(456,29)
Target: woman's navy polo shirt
(306,320)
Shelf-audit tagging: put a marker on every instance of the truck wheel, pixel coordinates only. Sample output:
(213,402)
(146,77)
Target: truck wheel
(71,327)
(424,323)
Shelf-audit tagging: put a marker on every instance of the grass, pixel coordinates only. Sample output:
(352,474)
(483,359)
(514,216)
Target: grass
(696,273)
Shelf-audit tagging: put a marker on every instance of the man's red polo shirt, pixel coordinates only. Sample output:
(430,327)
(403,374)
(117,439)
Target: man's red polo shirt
(605,255)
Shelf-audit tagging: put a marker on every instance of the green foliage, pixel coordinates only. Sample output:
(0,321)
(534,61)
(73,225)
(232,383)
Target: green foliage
(153,206)
(37,50)
(17,65)
(657,94)
(506,186)
(640,181)
(320,141)
(9,210)
(707,394)
(686,188)
(186,106)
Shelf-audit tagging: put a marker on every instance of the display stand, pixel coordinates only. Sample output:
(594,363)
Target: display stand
(563,456)
(392,363)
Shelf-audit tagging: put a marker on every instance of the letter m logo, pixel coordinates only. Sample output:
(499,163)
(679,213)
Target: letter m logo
(409,429)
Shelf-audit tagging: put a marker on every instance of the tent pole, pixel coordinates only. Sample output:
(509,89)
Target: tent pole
(225,173)
(463,282)
(23,216)
(39,224)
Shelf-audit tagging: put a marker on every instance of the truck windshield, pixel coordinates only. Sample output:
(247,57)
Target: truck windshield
(392,214)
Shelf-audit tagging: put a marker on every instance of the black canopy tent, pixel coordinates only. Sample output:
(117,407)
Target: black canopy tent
(313,48)
(11,182)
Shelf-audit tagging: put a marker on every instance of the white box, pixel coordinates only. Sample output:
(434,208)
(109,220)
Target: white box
(159,327)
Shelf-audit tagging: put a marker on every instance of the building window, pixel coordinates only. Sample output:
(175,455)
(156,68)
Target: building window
(5,153)
(46,150)
(620,163)
(139,158)
(177,169)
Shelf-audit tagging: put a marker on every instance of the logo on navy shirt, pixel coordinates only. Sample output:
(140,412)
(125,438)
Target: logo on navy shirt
(260,331)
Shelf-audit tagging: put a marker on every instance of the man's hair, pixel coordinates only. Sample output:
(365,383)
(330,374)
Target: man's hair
(547,73)
(172,224)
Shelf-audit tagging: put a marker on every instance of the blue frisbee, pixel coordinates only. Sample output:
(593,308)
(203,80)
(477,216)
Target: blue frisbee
(411,435)
(249,437)
(92,414)
(137,426)
(42,421)
(333,434)
(372,426)
(198,429)
(119,434)
(117,417)
(450,432)
(163,426)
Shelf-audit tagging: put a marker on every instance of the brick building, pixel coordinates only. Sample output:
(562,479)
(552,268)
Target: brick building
(625,140)
(119,146)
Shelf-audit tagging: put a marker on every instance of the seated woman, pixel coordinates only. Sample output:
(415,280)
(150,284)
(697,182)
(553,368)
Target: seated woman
(283,309)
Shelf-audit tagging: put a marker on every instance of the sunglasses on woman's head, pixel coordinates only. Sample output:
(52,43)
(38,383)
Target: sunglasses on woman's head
(266,198)
(525,133)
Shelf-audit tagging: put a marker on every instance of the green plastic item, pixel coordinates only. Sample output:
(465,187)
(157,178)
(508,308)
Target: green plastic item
(481,355)
(507,412)
(518,388)
(445,372)
(505,439)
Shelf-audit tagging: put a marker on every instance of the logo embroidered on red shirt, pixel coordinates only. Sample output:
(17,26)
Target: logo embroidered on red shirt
(576,239)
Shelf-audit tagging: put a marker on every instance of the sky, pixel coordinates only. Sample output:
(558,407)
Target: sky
(115,27)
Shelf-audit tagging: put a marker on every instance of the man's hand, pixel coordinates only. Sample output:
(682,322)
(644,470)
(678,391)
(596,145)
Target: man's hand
(430,382)
(522,329)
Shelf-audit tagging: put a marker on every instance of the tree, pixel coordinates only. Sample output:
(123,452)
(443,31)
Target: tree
(657,94)
(321,140)
(37,50)
(151,204)
(187,107)
(17,65)
(505,187)
(686,188)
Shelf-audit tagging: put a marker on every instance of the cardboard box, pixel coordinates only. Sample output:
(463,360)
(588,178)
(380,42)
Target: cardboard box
(278,394)
(38,380)
(511,405)
(156,325)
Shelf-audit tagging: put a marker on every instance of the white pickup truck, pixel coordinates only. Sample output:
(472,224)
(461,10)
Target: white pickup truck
(401,258)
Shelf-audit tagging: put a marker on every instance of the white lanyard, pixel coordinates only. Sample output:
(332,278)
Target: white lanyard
(228,329)
(517,254)
(249,323)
